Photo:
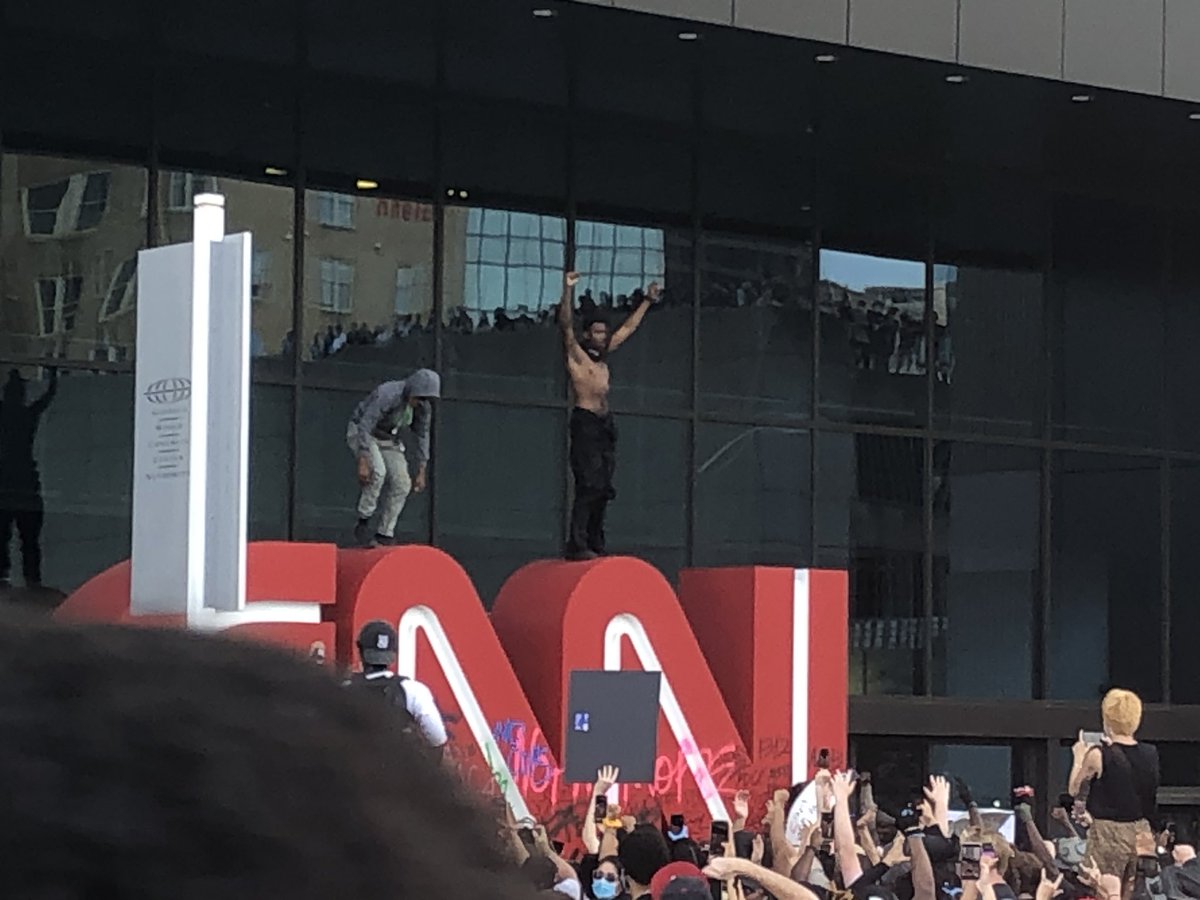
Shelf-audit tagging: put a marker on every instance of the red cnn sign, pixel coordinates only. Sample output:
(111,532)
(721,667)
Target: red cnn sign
(753,661)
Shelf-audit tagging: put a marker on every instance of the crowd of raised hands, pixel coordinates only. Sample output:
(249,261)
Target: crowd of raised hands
(852,850)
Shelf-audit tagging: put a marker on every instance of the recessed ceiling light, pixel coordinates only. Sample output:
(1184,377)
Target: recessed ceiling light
(450,192)
(544,13)
(956,78)
(1195,117)
(826,57)
(462,195)
(1081,98)
(275,170)
(688,36)
(805,208)
(366,184)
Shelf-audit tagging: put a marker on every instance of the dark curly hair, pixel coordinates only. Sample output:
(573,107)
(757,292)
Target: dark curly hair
(137,763)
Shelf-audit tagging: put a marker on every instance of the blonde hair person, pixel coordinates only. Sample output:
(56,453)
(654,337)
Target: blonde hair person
(1123,778)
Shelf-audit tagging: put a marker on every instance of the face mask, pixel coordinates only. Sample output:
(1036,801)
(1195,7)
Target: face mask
(603,889)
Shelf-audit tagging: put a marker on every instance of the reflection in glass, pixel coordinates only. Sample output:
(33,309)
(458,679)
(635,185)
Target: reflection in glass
(873,338)
(986,503)
(752,496)
(616,264)
(69,235)
(1106,595)
(368,291)
(869,521)
(988,333)
(266,211)
(504,275)
(755,326)
(65,477)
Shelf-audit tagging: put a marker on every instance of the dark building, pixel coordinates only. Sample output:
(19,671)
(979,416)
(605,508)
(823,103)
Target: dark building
(923,320)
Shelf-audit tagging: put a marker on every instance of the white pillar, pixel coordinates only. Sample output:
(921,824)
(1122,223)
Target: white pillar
(191,425)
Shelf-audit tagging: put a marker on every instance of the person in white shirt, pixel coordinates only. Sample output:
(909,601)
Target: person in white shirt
(411,699)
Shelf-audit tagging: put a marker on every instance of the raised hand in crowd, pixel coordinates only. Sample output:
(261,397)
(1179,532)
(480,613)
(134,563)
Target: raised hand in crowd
(1050,886)
(741,810)
(937,794)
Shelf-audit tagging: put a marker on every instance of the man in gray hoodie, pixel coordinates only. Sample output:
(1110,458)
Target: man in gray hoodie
(373,436)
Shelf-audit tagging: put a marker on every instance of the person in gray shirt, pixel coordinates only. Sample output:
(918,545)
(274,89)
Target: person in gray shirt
(373,436)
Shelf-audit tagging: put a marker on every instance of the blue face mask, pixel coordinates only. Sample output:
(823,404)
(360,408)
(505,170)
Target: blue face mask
(603,889)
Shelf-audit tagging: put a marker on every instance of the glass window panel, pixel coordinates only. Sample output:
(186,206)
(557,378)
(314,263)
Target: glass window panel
(368,290)
(873,340)
(753,496)
(267,212)
(896,764)
(1108,371)
(500,307)
(756,327)
(986,507)
(988,332)
(500,513)
(327,489)
(653,370)
(1106,594)
(1183,332)
(69,238)
(987,769)
(270,461)
(1185,582)
(648,518)
(868,518)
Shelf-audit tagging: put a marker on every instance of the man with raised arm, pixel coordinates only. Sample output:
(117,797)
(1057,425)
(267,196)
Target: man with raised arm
(593,432)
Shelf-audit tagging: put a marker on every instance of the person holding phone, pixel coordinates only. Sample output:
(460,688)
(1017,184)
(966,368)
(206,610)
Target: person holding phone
(1123,775)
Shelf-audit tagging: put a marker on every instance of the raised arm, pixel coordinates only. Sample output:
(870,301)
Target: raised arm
(1086,766)
(566,319)
(630,325)
(590,834)
(938,795)
(726,868)
(843,829)
(42,402)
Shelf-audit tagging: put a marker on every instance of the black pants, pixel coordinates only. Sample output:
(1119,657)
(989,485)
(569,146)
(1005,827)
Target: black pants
(593,462)
(27,515)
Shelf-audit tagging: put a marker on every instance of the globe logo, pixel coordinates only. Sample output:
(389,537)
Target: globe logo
(169,390)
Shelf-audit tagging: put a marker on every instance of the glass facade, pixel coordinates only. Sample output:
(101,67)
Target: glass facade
(965,377)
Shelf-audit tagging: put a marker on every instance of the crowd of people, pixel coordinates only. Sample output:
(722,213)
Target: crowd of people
(139,763)
(1104,842)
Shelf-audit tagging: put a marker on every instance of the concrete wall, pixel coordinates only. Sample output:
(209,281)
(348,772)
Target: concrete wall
(1145,46)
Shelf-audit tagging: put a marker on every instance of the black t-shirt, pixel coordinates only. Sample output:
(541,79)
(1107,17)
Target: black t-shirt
(1127,789)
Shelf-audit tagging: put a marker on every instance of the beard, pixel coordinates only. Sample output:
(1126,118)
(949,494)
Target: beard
(597,354)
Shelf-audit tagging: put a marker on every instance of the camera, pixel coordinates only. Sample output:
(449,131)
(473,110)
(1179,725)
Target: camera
(969,856)
(909,819)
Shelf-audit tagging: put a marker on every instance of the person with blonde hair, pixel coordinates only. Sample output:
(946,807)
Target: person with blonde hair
(1123,777)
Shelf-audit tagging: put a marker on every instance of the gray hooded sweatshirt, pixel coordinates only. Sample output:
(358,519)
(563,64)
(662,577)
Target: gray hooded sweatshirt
(385,410)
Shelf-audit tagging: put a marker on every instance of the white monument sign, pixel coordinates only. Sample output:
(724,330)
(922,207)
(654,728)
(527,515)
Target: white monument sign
(191,426)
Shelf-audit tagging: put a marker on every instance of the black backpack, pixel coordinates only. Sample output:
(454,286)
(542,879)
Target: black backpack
(389,689)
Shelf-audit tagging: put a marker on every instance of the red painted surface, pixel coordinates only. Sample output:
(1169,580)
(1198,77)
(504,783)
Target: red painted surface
(725,646)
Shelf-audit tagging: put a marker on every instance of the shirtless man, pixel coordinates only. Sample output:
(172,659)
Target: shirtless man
(593,432)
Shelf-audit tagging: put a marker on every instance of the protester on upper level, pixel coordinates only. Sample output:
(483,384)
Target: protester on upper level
(1122,776)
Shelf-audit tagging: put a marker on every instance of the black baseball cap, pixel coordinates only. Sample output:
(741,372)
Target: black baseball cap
(377,643)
